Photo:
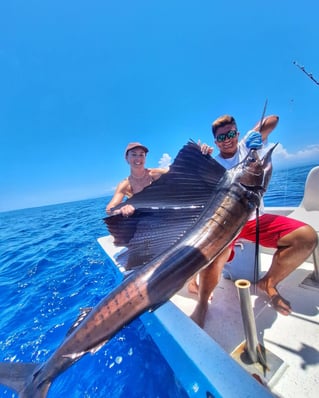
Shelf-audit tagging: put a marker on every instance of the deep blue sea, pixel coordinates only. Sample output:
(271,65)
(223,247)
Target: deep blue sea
(286,187)
(51,266)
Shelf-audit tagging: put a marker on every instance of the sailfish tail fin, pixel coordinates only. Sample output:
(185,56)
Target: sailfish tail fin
(18,377)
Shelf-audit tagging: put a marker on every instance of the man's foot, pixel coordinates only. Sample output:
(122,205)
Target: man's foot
(280,304)
(193,286)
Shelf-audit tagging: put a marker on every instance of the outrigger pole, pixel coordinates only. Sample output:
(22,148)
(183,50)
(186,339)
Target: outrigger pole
(310,75)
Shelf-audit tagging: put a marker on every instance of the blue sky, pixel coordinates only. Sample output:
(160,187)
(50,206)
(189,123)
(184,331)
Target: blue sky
(81,79)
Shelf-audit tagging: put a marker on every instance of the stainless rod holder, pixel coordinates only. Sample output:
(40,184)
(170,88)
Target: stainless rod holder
(249,324)
(252,356)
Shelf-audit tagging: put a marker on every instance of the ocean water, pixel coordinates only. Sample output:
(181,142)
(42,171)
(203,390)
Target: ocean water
(51,266)
(286,187)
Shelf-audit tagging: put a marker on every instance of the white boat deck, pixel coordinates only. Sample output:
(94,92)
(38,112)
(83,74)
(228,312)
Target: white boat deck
(292,340)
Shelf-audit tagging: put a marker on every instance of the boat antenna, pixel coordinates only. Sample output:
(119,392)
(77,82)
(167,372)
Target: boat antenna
(310,75)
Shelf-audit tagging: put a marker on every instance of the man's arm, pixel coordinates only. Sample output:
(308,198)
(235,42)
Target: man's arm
(269,123)
(255,138)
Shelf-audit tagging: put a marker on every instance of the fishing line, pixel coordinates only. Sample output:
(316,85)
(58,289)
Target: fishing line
(256,266)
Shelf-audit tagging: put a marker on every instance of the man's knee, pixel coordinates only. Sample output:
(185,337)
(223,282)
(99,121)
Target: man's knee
(304,237)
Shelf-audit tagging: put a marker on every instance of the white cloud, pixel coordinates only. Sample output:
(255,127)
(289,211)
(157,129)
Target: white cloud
(165,161)
(280,158)
(308,155)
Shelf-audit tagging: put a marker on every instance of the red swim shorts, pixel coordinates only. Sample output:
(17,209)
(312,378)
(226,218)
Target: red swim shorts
(271,228)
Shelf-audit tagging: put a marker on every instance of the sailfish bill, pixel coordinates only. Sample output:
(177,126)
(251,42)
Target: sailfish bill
(181,223)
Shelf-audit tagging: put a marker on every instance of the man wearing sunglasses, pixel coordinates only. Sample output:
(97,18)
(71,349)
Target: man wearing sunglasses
(294,240)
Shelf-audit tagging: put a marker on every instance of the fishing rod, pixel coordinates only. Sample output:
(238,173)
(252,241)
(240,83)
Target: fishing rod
(263,116)
(310,75)
(256,265)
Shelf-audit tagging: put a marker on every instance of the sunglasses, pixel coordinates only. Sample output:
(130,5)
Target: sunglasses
(229,135)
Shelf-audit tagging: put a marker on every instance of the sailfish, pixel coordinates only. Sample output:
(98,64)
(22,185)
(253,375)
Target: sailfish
(181,223)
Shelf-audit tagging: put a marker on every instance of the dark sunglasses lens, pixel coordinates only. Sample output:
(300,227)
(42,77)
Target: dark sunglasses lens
(229,135)
(221,138)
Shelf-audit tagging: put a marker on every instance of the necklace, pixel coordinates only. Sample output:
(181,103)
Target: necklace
(138,178)
(139,183)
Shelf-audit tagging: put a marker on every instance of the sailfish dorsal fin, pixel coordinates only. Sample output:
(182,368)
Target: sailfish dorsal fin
(167,209)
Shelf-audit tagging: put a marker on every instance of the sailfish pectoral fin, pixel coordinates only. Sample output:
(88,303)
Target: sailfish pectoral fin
(84,312)
(167,209)
(77,355)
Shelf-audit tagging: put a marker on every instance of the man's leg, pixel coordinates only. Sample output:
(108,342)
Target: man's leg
(293,249)
(208,280)
(192,285)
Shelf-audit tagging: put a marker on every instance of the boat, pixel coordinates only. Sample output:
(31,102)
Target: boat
(216,361)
